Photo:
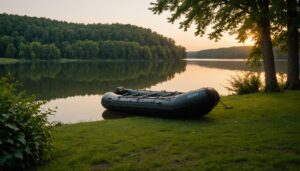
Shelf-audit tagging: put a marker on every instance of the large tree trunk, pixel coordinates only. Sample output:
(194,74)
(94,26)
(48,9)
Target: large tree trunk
(293,51)
(267,50)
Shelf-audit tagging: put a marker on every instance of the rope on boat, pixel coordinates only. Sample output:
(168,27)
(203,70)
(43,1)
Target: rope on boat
(225,106)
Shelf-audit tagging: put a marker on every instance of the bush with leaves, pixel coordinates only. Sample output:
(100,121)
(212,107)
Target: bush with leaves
(248,82)
(282,79)
(25,133)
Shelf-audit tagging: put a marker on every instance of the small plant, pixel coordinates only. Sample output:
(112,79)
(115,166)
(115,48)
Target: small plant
(25,133)
(282,78)
(248,82)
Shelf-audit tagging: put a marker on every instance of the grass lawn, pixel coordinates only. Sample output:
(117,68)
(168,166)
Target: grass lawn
(8,61)
(261,132)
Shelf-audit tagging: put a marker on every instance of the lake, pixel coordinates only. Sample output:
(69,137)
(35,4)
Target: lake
(76,88)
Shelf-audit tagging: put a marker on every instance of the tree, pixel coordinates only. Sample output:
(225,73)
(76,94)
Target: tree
(35,50)
(286,36)
(243,18)
(24,51)
(10,51)
(4,41)
(50,51)
(293,45)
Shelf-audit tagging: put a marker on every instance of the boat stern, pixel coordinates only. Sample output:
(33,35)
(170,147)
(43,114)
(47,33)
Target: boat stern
(214,95)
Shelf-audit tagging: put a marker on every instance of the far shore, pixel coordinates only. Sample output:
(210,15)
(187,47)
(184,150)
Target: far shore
(225,59)
(4,61)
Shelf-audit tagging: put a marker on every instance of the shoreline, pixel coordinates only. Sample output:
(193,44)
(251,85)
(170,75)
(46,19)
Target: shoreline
(246,137)
(4,61)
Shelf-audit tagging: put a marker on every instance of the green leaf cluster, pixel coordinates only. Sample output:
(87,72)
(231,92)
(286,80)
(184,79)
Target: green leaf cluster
(248,82)
(25,133)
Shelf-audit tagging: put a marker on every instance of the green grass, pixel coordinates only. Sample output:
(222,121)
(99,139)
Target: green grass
(8,61)
(261,132)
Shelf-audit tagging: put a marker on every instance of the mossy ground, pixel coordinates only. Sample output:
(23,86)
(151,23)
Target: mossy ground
(261,132)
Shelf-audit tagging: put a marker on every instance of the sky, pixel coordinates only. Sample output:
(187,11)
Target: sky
(134,12)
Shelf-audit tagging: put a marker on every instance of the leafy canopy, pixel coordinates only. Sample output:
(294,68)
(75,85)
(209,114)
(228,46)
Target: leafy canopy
(241,18)
(236,17)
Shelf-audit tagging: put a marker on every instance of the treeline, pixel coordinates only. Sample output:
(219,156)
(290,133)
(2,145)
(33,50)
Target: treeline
(40,38)
(237,52)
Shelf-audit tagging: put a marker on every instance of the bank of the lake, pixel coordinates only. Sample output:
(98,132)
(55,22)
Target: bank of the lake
(4,61)
(261,132)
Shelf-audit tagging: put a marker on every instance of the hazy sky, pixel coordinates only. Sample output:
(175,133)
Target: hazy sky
(113,11)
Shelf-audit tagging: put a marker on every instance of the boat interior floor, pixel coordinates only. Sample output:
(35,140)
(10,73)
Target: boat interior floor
(152,95)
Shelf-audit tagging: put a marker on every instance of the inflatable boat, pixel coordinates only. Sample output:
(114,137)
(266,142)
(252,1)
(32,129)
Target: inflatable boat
(161,103)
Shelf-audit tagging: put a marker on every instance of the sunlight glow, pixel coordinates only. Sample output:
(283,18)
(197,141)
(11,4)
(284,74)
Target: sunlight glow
(249,41)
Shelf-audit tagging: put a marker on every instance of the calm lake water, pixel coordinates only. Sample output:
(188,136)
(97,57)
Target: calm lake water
(76,88)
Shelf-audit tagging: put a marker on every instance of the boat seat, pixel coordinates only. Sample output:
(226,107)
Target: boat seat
(171,94)
(121,91)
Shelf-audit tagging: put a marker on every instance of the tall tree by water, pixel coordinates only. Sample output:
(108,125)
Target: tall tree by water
(244,18)
(286,36)
(293,44)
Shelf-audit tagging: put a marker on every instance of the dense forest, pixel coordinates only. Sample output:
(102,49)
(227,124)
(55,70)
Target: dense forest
(40,38)
(237,52)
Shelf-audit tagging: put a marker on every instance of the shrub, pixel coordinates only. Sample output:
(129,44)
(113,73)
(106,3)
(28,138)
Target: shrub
(282,78)
(25,138)
(248,82)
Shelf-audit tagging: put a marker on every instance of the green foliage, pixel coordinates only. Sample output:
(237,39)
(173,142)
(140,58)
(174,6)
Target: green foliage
(25,133)
(280,21)
(282,78)
(10,50)
(248,82)
(255,57)
(40,38)
(234,16)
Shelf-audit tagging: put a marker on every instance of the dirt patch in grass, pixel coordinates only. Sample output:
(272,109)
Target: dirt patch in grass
(103,165)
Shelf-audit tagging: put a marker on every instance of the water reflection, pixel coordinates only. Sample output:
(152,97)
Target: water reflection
(51,80)
(209,74)
(76,109)
(239,65)
(76,87)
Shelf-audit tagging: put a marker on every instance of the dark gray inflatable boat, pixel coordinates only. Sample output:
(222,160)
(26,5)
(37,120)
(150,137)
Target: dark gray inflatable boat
(161,103)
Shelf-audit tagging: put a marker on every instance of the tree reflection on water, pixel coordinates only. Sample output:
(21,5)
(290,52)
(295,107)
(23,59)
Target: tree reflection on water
(51,80)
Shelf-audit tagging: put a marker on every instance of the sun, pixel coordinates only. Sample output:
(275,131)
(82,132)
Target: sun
(250,40)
